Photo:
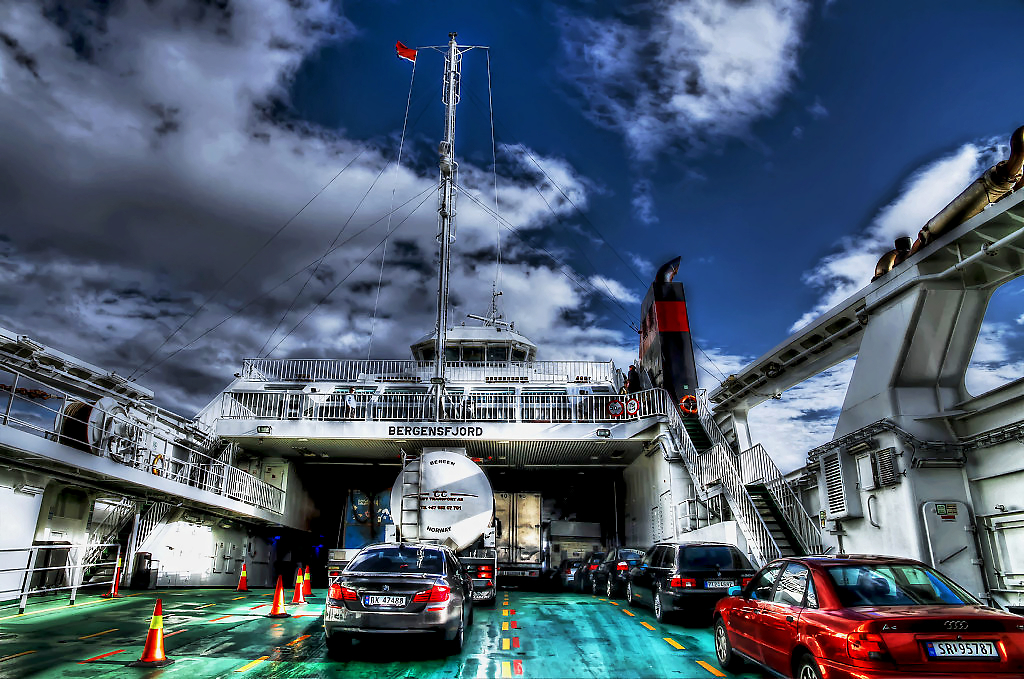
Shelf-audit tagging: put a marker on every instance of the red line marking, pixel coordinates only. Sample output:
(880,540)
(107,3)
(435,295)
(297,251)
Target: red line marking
(216,619)
(306,615)
(517,666)
(255,607)
(515,642)
(82,662)
(177,631)
(513,625)
(512,612)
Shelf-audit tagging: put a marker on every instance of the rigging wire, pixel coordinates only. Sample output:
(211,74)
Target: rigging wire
(424,193)
(578,279)
(352,271)
(394,188)
(239,269)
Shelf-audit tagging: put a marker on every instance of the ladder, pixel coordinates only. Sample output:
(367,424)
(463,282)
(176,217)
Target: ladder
(409,512)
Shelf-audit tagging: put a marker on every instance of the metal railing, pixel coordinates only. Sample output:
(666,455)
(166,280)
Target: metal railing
(472,407)
(756,466)
(68,575)
(707,419)
(128,441)
(335,370)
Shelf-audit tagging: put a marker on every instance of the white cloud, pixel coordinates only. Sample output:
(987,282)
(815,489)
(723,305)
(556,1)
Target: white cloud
(1020,320)
(643,202)
(929,190)
(996,359)
(614,289)
(701,69)
(817,110)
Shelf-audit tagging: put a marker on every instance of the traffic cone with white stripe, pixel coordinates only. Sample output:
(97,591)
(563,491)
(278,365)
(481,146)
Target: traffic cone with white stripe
(307,587)
(278,610)
(112,594)
(153,653)
(297,597)
(243,582)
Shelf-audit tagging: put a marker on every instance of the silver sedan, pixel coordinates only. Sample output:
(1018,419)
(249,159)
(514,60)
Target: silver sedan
(399,588)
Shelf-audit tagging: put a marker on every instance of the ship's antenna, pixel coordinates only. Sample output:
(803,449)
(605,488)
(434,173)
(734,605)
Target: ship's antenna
(446,212)
(494,175)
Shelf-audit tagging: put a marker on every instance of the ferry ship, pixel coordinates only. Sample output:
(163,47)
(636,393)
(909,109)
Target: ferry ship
(109,501)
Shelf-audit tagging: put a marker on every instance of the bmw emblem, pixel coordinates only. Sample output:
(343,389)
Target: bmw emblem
(385,588)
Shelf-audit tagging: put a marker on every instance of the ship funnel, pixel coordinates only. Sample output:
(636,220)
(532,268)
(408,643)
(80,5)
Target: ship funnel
(668,271)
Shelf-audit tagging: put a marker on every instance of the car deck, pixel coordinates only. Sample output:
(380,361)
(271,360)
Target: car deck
(222,633)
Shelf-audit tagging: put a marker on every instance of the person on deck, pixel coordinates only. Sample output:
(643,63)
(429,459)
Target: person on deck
(633,380)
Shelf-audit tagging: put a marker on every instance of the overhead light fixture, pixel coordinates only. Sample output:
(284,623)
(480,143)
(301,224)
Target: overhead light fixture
(860,446)
(302,440)
(264,429)
(603,433)
(28,489)
(772,370)
(504,443)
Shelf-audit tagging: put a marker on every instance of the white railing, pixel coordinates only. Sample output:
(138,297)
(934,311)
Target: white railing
(69,574)
(52,414)
(708,421)
(756,466)
(250,405)
(335,370)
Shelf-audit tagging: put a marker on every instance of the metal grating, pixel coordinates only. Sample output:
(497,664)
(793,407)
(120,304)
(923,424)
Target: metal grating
(885,467)
(834,485)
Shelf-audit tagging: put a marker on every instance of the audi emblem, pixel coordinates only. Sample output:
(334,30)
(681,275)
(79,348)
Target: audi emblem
(955,624)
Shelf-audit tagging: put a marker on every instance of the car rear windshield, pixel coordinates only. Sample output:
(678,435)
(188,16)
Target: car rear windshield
(398,560)
(896,585)
(712,556)
(630,555)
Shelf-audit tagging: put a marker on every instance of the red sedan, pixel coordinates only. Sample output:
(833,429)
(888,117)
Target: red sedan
(864,617)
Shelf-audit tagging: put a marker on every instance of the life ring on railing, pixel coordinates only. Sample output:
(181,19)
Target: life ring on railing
(615,408)
(688,404)
(632,407)
(158,465)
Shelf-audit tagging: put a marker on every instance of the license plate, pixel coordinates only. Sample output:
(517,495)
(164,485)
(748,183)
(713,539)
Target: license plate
(961,649)
(481,595)
(718,584)
(391,601)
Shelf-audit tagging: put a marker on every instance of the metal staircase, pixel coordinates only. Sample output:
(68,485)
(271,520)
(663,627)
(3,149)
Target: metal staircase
(695,430)
(109,528)
(409,512)
(774,520)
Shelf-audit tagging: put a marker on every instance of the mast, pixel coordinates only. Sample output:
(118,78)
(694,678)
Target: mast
(446,213)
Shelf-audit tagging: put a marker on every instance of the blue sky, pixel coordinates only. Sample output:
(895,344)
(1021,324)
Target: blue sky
(151,150)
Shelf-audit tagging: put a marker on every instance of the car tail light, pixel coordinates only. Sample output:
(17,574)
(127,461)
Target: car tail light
(568,571)
(622,566)
(866,646)
(746,581)
(436,593)
(592,567)
(485,569)
(336,591)
(334,574)
(683,582)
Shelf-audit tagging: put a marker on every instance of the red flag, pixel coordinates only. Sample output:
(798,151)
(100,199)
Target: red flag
(403,52)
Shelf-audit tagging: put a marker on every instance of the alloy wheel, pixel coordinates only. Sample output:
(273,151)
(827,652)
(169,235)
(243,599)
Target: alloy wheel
(658,613)
(608,588)
(808,669)
(629,593)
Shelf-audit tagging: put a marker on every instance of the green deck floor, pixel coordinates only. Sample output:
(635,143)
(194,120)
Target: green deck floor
(220,633)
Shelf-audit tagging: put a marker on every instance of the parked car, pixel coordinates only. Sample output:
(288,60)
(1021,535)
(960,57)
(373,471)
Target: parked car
(612,574)
(868,617)
(399,587)
(567,570)
(590,563)
(677,576)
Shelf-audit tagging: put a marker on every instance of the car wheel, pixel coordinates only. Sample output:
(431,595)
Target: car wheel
(456,644)
(593,586)
(629,593)
(659,613)
(337,644)
(807,668)
(727,660)
(609,590)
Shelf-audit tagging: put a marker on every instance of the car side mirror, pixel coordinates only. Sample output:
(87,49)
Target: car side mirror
(735,590)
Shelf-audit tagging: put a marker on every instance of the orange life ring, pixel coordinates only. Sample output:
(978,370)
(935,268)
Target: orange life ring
(158,468)
(632,407)
(685,404)
(615,408)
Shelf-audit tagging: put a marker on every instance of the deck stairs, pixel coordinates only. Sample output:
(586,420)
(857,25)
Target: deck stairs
(409,512)
(695,430)
(775,520)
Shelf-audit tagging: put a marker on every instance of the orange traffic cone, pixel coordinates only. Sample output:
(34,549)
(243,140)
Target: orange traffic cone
(307,588)
(153,653)
(297,598)
(112,594)
(278,610)
(243,582)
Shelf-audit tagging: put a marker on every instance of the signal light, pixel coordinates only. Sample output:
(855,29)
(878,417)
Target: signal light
(866,646)
(688,583)
(622,566)
(436,593)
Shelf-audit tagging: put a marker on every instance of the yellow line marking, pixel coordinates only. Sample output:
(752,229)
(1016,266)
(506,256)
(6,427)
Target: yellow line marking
(205,606)
(254,663)
(504,627)
(713,670)
(504,612)
(90,636)
(506,669)
(16,655)
(648,625)
(237,598)
(506,644)
(614,603)
(629,613)
(292,643)
(59,608)
(602,600)
(674,643)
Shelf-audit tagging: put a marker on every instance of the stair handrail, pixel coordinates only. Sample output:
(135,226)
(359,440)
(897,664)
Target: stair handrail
(714,432)
(717,464)
(757,466)
(108,529)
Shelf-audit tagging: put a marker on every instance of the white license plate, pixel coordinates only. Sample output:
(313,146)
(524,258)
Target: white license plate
(481,595)
(961,649)
(719,584)
(391,601)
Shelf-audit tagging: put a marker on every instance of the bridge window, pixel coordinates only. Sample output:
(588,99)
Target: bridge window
(473,354)
(998,356)
(497,353)
(451,354)
(518,354)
